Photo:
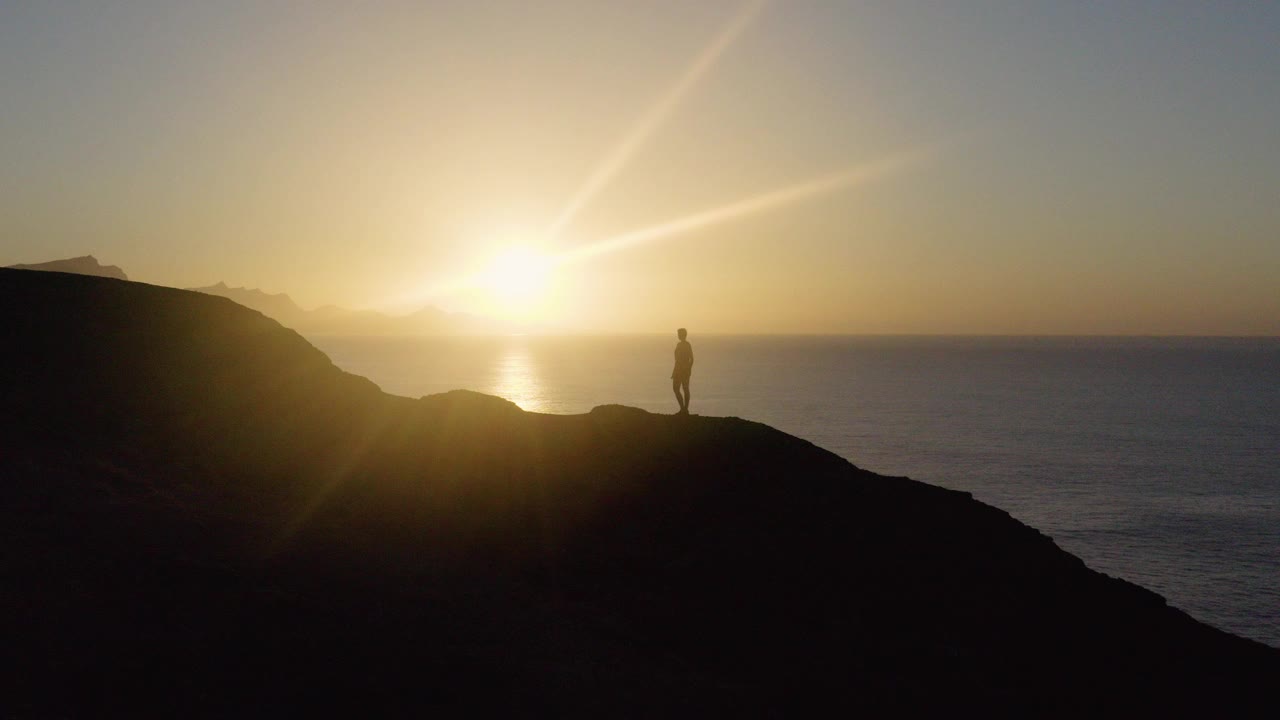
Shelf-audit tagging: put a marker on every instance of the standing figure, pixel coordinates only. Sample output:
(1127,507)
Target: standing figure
(684,368)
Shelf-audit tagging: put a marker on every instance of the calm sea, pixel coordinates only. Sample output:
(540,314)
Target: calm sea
(1156,460)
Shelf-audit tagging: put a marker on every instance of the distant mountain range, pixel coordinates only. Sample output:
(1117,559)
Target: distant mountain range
(327,320)
(87,265)
(333,320)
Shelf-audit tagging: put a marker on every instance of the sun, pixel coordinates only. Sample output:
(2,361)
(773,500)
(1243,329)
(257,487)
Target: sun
(517,275)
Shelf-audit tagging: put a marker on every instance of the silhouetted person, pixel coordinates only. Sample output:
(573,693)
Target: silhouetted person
(684,368)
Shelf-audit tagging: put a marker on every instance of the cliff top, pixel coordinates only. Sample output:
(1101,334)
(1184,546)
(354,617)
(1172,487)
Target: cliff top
(202,511)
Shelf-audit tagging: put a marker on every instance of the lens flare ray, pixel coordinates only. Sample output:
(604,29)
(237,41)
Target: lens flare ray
(763,202)
(756,204)
(616,160)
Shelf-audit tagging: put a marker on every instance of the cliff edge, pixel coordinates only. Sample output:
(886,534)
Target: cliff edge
(202,515)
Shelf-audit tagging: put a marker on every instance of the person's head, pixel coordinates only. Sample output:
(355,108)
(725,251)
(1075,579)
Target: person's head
(682,333)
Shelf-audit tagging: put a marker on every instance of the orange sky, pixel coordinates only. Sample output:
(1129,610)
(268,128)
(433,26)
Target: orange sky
(968,167)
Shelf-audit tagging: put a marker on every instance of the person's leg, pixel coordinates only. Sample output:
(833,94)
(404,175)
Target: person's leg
(675,387)
(684,385)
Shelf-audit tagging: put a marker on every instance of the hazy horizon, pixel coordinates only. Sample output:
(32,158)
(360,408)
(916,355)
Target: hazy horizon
(852,168)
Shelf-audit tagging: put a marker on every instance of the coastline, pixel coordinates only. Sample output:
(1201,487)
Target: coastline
(196,462)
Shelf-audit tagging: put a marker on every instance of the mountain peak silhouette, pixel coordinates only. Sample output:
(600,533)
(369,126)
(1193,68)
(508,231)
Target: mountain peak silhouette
(84,265)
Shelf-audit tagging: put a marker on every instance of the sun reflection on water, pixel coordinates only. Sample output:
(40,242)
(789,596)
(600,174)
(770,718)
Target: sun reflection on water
(515,377)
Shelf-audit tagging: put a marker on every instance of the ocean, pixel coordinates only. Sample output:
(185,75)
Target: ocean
(1156,460)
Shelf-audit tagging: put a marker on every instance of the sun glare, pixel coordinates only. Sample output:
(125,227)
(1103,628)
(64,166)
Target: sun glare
(518,274)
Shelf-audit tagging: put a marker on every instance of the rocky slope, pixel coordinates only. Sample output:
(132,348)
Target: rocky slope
(203,516)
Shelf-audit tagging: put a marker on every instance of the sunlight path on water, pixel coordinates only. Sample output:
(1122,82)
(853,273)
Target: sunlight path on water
(516,379)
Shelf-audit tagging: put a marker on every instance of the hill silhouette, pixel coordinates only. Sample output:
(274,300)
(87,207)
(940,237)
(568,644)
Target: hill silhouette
(204,516)
(277,306)
(324,320)
(86,265)
(334,320)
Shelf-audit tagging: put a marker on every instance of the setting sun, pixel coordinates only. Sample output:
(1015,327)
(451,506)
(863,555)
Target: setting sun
(517,275)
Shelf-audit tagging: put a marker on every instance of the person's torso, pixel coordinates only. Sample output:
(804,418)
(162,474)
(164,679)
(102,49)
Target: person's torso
(684,354)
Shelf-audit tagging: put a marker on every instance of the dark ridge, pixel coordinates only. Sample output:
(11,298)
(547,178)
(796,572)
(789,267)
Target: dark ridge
(277,306)
(86,265)
(203,516)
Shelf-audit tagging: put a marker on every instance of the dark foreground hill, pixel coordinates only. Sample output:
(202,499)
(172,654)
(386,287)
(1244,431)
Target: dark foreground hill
(203,516)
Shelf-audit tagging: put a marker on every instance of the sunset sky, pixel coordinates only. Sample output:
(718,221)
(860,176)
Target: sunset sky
(805,166)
